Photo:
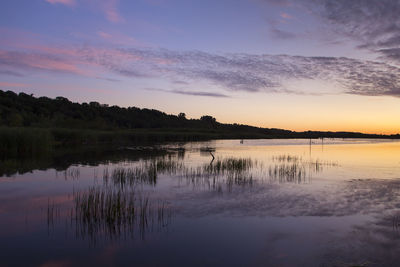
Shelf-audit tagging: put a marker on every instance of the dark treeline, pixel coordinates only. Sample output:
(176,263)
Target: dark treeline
(25,119)
(23,110)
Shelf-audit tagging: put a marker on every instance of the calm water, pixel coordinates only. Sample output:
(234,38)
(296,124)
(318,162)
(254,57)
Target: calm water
(260,203)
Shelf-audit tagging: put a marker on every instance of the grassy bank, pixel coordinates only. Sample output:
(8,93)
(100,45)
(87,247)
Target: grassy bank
(25,142)
(20,142)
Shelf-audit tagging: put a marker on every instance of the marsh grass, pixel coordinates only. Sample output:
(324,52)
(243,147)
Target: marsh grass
(23,142)
(222,171)
(319,165)
(289,168)
(72,173)
(123,177)
(286,158)
(119,208)
(117,213)
(292,173)
(237,171)
(228,165)
(228,171)
(144,173)
(396,222)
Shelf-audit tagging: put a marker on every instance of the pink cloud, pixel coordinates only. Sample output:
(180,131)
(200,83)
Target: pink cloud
(104,35)
(64,2)
(33,56)
(7,84)
(286,16)
(117,38)
(22,60)
(38,61)
(110,9)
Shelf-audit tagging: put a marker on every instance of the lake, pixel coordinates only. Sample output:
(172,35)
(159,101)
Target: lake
(330,202)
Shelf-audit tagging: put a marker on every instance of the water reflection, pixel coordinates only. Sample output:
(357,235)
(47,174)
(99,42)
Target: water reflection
(63,159)
(121,207)
(114,213)
(373,243)
(110,214)
(335,207)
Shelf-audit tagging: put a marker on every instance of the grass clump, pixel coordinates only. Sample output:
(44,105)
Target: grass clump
(294,173)
(24,142)
(116,212)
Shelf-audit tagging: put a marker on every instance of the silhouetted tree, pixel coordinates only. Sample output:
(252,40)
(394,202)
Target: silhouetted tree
(207,118)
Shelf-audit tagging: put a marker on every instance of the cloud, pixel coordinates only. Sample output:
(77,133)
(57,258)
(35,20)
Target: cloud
(108,79)
(104,35)
(280,34)
(353,197)
(64,2)
(116,38)
(11,73)
(23,61)
(374,24)
(193,93)
(110,9)
(197,93)
(181,82)
(282,3)
(285,16)
(8,84)
(235,72)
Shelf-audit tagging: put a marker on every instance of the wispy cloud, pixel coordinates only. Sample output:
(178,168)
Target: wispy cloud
(180,82)
(8,84)
(373,23)
(110,9)
(104,35)
(281,34)
(192,93)
(22,61)
(108,79)
(117,38)
(64,2)
(226,72)
(285,16)
(11,73)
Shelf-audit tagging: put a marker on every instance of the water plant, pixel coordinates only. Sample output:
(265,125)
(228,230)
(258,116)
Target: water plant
(23,142)
(293,172)
(115,213)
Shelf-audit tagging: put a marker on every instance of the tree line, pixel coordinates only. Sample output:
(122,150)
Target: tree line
(26,110)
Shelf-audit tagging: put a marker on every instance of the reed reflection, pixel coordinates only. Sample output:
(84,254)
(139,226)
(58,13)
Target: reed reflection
(123,206)
(111,213)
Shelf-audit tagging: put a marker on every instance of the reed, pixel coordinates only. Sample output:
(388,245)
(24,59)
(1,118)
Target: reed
(287,158)
(24,142)
(145,173)
(72,173)
(116,212)
(228,165)
(123,177)
(293,172)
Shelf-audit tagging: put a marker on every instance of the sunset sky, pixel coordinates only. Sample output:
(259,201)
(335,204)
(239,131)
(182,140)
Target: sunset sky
(298,65)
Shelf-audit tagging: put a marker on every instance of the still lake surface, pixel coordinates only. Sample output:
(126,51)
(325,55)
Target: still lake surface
(334,202)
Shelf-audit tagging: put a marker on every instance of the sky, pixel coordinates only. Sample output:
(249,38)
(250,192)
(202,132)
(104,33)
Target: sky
(293,64)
